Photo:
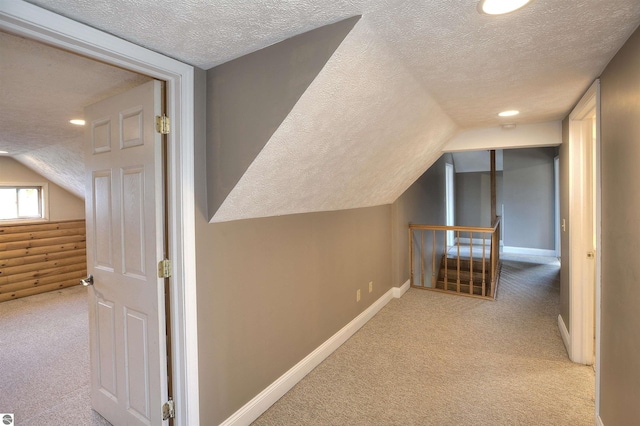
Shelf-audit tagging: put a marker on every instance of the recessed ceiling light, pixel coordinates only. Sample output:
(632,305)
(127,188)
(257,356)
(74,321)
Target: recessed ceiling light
(509,113)
(77,122)
(500,7)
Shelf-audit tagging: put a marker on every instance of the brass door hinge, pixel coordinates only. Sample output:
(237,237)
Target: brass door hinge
(162,124)
(168,410)
(164,268)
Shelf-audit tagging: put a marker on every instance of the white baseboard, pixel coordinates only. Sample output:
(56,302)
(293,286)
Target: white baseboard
(398,292)
(529,251)
(565,335)
(265,399)
(599,420)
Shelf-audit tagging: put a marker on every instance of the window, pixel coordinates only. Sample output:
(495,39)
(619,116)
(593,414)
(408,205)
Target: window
(22,202)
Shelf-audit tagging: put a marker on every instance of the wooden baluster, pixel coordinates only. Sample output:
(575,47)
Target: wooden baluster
(411,256)
(446,255)
(484,256)
(422,258)
(458,280)
(493,264)
(470,262)
(433,261)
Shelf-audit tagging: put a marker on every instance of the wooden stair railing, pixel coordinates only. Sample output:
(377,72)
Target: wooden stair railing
(470,269)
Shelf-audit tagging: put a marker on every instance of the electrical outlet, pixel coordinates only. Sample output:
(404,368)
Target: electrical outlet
(358,295)
(370,286)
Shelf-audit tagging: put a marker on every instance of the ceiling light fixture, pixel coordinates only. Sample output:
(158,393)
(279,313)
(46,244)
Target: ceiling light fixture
(77,122)
(509,113)
(3,152)
(500,7)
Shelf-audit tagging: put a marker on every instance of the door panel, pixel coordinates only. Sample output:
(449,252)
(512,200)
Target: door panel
(106,343)
(133,243)
(102,220)
(124,241)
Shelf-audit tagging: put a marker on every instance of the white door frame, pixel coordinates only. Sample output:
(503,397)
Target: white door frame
(449,201)
(33,22)
(556,198)
(581,292)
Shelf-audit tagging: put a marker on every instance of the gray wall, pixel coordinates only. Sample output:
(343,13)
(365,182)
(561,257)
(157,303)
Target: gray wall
(620,153)
(473,198)
(422,203)
(249,97)
(529,198)
(270,291)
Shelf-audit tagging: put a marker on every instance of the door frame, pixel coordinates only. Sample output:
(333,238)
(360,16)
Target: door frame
(582,297)
(449,201)
(556,210)
(35,23)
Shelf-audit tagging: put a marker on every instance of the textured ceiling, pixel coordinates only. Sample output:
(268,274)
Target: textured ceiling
(409,74)
(538,59)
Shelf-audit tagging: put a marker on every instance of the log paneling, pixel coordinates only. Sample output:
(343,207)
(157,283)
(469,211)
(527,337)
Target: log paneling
(36,258)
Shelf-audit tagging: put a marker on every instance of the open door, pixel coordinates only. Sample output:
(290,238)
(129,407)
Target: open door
(125,241)
(584,208)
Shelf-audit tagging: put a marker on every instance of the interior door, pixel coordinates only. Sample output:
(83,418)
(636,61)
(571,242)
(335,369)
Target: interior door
(124,213)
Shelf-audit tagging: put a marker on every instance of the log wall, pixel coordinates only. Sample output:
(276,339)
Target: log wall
(36,258)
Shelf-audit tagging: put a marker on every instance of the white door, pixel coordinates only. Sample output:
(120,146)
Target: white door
(125,230)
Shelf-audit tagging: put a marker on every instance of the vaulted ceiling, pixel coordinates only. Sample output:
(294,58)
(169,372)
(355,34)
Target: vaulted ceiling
(404,80)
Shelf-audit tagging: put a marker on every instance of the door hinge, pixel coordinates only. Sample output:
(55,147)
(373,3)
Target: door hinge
(164,268)
(168,410)
(162,124)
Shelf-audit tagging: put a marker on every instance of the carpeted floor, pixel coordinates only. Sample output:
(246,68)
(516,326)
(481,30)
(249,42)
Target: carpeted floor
(44,360)
(425,359)
(437,359)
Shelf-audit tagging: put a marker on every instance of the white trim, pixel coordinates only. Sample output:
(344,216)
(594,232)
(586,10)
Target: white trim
(398,292)
(44,200)
(265,399)
(598,219)
(33,22)
(581,284)
(556,204)
(566,339)
(599,420)
(529,251)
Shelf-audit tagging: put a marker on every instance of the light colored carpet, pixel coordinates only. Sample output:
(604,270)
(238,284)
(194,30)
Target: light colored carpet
(44,359)
(436,359)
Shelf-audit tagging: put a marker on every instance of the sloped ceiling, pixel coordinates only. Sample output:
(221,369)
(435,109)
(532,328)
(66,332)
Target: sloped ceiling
(409,74)
(348,142)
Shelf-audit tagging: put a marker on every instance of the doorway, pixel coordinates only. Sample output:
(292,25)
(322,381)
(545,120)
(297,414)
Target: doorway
(32,22)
